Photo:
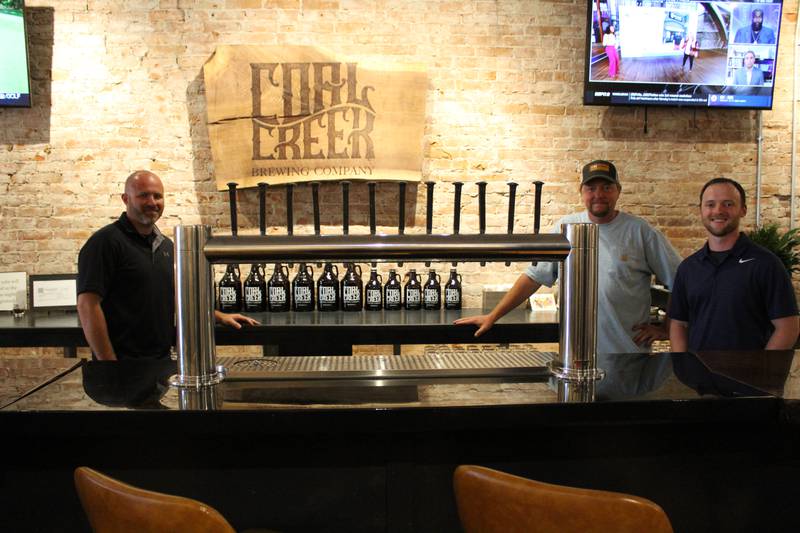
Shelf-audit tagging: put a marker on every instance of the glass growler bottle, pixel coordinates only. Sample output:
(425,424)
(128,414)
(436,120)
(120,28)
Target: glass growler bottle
(413,291)
(230,290)
(432,292)
(278,287)
(328,288)
(392,292)
(303,289)
(352,288)
(255,290)
(452,291)
(372,300)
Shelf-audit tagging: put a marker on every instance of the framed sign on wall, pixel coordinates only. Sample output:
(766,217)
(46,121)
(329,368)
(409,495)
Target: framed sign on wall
(53,292)
(292,114)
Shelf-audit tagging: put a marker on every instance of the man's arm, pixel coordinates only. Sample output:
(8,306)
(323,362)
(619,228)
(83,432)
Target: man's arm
(785,334)
(95,328)
(522,289)
(234,320)
(678,335)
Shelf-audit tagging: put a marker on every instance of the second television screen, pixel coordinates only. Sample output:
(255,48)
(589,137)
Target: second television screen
(681,53)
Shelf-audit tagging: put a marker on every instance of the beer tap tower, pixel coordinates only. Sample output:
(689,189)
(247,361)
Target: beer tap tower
(575,248)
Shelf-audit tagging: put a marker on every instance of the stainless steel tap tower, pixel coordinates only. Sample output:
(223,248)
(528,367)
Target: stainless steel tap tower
(197,249)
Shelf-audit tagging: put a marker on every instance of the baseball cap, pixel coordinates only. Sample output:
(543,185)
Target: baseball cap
(600,169)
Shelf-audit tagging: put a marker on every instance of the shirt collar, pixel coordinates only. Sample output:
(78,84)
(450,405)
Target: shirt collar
(127,226)
(739,248)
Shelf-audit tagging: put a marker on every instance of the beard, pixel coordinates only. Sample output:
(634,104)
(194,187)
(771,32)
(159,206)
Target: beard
(600,210)
(148,217)
(757,26)
(730,226)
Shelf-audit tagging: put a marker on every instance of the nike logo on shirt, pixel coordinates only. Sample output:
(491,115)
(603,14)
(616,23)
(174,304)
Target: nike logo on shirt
(746,260)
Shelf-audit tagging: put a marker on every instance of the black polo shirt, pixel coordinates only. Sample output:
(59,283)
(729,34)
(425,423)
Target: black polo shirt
(134,277)
(730,306)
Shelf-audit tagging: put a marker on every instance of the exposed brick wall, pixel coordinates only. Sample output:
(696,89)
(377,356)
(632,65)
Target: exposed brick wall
(118,86)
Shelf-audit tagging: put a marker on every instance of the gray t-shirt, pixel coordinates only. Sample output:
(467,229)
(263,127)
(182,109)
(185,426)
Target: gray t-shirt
(631,251)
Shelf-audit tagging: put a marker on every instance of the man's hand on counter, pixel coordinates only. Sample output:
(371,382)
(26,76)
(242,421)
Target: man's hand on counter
(484,323)
(234,320)
(648,333)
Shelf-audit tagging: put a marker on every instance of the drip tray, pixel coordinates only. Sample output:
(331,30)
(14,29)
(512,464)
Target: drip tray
(445,365)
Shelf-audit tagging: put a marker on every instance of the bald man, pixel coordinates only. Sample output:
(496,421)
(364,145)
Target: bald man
(126,294)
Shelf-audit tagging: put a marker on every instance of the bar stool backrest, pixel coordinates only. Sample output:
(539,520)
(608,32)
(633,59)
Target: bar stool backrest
(113,506)
(493,502)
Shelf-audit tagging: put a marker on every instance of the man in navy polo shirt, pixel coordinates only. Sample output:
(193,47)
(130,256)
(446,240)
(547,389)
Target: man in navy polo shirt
(731,294)
(126,299)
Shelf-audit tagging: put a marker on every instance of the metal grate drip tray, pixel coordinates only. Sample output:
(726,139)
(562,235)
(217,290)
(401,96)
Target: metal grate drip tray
(445,364)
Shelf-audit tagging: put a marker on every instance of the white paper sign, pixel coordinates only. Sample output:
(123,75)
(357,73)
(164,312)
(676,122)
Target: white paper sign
(54,293)
(543,302)
(12,290)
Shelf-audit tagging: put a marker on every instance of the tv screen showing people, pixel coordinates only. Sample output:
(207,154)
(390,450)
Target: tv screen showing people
(681,53)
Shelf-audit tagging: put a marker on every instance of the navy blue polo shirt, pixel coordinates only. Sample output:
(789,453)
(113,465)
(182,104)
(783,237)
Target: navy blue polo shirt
(133,275)
(730,306)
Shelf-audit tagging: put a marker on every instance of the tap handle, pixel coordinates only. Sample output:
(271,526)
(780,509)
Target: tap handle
(429,210)
(345,207)
(512,197)
(482,206)
(262,208)
(401,208)
(457,207)
(289,209)
(315,202)
(537,205)
(372,221)
(232,200)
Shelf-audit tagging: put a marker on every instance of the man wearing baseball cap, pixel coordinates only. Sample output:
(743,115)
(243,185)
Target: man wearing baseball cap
(631,251)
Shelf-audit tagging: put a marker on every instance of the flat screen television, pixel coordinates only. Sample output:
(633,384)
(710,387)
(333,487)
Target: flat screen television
(681,53)
(15,85)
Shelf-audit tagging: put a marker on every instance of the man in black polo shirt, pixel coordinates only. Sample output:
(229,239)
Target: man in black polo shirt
(126,299)
(731,294)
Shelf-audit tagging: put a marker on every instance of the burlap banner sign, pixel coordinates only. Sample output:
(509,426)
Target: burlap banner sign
(288,114)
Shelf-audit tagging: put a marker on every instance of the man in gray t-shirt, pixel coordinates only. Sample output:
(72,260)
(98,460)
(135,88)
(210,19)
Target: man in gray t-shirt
(631,252)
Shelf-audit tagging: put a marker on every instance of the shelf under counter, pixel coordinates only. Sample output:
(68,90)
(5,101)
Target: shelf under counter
(319,333)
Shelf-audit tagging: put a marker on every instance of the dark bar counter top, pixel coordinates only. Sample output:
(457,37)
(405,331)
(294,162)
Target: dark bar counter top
(711,437)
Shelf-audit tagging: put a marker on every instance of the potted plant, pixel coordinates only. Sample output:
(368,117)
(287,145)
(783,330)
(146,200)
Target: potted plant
(781,244)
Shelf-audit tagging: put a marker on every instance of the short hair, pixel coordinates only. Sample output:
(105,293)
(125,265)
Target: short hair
(759,11)
(729,181)
(750,52)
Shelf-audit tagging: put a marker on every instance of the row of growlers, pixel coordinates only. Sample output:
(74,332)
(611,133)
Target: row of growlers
(278,294)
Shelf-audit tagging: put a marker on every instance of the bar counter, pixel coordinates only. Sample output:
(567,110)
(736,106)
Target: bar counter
(712,438)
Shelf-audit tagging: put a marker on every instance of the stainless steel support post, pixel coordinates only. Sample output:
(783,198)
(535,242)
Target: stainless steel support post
(200,399)
(575,391)
(577,358)
(194,299)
